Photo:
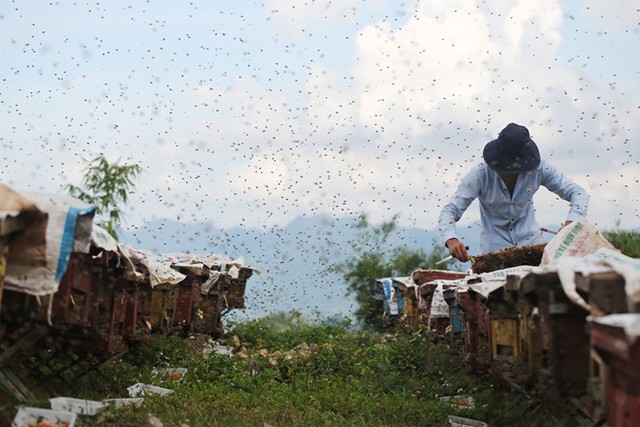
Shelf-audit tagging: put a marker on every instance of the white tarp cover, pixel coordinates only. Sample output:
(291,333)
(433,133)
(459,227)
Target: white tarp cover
(494,280)
(630,322)
(195,263)
(12,203)
(580,247)
(627,267)
(407,281)
(602,260)
(14,210)
(577,248)
(566,254)
(103,240)
(39,255)
(439,307)
(486,283)
(158,266)
(163,268)
(392,297)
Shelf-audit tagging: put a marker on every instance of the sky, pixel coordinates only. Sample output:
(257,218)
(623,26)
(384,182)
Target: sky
(250,114)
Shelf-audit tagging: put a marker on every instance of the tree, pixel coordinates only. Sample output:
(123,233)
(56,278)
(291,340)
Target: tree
(373,260)
(106,186)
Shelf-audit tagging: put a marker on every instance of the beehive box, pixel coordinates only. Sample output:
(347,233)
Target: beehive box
(615,338)
(163,305)
(565,350)
(476,325)
(507,258)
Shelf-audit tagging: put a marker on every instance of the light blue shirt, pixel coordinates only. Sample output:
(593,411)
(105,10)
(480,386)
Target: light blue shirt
(509,220)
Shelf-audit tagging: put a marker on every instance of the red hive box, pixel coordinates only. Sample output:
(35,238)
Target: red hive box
(615,338)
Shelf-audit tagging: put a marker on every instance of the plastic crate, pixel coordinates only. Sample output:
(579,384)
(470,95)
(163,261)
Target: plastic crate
(38,417)
(118,403)
(459,401)
(140,389)
(77,406)
(170,374)
(465,422)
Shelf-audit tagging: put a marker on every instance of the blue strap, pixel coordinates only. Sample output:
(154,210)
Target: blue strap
(68,235)
(400,299)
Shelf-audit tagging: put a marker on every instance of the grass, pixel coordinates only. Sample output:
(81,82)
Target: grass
(628,241)
(290,372)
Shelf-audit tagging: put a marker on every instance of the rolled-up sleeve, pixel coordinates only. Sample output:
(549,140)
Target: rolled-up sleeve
(468,190)
(566,189)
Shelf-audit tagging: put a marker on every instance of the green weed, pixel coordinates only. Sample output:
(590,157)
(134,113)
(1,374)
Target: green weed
(628,241)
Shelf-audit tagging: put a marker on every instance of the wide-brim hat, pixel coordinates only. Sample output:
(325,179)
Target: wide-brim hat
(513,151)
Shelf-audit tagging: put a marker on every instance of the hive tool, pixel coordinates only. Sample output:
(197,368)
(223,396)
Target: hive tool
(447,258)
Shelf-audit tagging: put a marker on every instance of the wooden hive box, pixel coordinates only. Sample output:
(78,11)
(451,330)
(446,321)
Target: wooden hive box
(507,258)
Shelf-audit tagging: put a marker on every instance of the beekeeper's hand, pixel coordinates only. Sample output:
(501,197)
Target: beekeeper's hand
(457,249)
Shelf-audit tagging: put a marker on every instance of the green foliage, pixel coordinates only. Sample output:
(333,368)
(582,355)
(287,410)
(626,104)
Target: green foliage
(347,378)
(373,260)
(628,241)
(106,186)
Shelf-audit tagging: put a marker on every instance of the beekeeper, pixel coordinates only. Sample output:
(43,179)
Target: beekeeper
(504,184)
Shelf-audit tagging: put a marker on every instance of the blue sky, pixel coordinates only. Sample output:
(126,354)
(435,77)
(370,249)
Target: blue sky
(252,113)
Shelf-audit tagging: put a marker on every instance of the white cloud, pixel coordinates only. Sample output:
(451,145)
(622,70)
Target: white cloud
(533,28)
(427,63)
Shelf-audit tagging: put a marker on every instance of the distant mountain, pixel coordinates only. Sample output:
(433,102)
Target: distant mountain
(295,260)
